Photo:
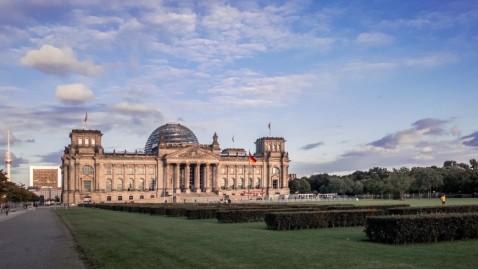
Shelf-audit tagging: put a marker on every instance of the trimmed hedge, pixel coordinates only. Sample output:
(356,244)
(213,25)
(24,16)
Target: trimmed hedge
(426,228)
(257,214)
(318,219)
(434,210)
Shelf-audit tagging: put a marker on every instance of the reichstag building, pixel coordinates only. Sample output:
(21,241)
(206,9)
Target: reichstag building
(174,167)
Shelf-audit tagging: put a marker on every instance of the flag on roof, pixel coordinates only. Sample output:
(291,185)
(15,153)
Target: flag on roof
(251,158)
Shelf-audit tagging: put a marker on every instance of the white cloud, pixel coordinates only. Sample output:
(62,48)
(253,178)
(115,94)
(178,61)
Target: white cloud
(373,39)
(75,93)
(54,60)
(128,108)
(249,88)
(431,60)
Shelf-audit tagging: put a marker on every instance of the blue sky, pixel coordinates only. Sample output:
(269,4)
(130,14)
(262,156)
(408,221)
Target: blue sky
(350,85)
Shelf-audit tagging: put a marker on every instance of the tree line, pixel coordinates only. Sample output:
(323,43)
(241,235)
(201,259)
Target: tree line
(452,178)
(11,192)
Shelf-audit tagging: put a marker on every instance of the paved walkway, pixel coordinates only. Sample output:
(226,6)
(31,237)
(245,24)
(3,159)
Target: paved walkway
(36,239)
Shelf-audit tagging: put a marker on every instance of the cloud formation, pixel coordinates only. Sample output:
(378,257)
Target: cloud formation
(373,39)
(420,128)
(312,146)
(50,59)
(74,93)
(471,140)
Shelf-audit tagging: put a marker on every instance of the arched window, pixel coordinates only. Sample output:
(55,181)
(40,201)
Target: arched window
(80,141)
(251,183)
(92,141)
(130,184)
(141,184)
(223,184)
(108,185)
(232,184)
(240,184)
(86,142)
(275,170)
(88,170)
(119,184)
(152,184)
(258,183)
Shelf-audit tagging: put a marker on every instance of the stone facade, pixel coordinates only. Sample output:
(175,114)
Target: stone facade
(172,172)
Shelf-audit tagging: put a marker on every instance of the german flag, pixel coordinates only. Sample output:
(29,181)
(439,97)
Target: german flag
(251,159)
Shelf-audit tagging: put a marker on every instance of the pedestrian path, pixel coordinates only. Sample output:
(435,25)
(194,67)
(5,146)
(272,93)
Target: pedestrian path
(36,239)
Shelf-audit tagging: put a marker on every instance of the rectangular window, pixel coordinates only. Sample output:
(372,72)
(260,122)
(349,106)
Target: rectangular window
(108,170)
(140,170)
(130,170)
(119,170)
(120,198)
(151,170)
(131,197)
(152,196)
(87,185)
(108,198)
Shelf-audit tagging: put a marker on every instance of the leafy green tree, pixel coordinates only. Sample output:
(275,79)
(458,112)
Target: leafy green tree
(426,178)
(339,185)
(474,164)
(399,182)
(317,181)
(299,186)
(3,186)
(9,191)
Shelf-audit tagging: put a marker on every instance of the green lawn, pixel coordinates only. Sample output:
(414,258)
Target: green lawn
(113,239)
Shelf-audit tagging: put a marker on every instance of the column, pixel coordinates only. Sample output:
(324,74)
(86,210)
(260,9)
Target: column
(96,182)
(207,184)
(197,178)
(176,178)
(236,177)
(186,178)
(165,179)
(217,176)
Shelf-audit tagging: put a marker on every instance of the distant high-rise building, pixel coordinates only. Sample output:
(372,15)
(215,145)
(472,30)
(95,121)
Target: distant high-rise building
(45,176)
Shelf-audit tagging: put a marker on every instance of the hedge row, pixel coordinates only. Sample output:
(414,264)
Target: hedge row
(434,210)
(318,219)
(409,229)
(254,215)
(257,214)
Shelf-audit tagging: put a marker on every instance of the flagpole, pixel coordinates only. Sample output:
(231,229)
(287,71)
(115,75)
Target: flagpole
(86,121)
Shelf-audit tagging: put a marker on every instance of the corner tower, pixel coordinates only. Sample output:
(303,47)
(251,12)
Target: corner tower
(271,151)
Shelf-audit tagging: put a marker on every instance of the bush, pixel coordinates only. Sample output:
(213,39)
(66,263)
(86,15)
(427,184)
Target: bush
(317,219)
(433,210)
(409,229)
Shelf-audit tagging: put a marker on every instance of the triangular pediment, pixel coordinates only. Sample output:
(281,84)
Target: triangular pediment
(193,152)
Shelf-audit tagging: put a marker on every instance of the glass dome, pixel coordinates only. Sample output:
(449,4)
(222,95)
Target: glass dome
(171,133)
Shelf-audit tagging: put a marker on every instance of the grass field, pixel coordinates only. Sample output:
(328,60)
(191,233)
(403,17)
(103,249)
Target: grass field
(113,239)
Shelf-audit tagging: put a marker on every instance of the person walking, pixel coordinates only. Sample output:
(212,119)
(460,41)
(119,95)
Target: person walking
(443,199)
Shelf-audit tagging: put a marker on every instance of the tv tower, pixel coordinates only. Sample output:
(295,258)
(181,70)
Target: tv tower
(8,158)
